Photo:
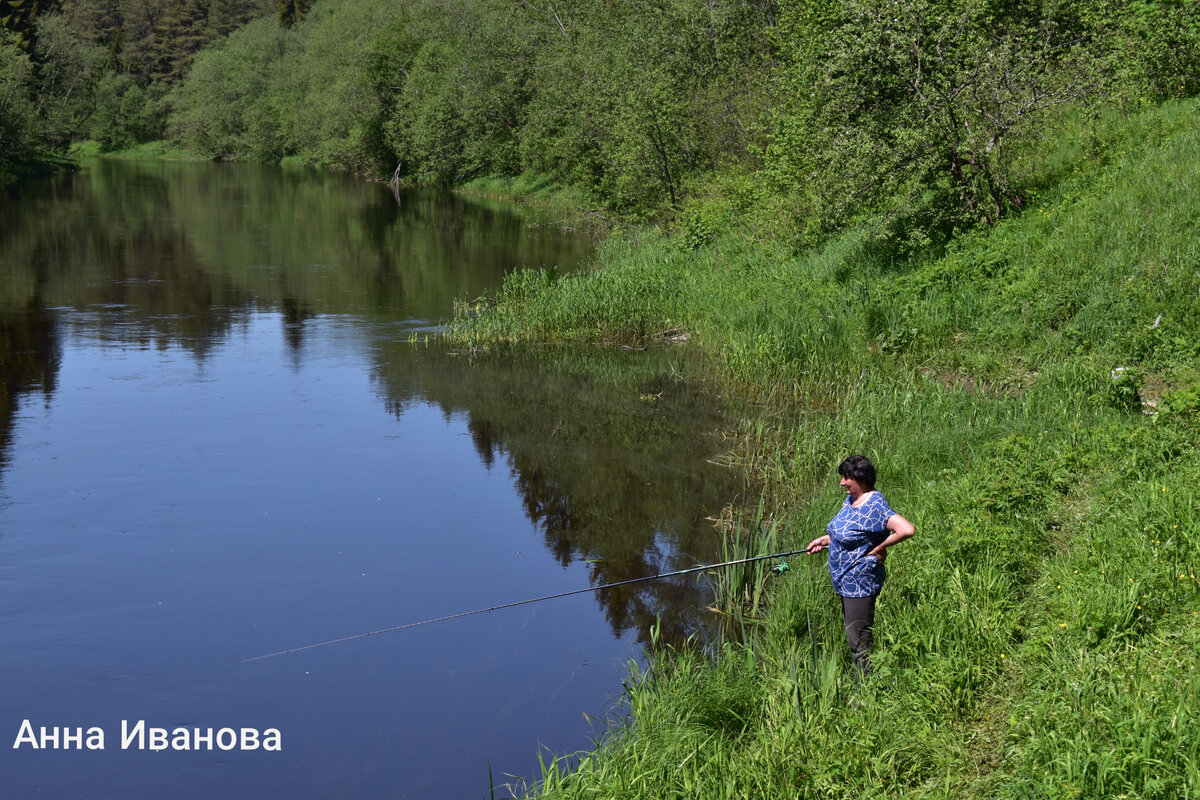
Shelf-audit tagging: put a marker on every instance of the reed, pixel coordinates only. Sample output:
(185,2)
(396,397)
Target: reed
(739,590)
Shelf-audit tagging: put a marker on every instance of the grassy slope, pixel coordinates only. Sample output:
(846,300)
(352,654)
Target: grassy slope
(1032,397)
(160,150)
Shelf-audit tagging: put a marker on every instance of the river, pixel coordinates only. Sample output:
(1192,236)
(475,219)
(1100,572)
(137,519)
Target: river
(224,433)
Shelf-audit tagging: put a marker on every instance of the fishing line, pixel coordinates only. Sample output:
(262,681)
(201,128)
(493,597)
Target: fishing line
(526,602)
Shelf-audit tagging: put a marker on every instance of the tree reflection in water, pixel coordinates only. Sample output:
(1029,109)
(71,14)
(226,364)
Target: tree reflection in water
(30,353)
(609,453)
(612,458)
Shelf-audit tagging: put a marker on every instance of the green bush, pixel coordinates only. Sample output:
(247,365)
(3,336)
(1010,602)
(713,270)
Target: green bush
(124,114)
(18,113)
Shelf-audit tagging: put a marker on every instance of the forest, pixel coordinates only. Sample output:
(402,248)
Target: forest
(808,115)
(956,235)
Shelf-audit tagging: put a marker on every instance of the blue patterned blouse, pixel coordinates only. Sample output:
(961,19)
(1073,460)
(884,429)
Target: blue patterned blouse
(852,534)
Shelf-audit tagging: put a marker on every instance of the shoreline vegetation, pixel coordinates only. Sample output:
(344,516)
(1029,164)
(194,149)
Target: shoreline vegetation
(543,193)
(37,167)
(959,237)
(157,150)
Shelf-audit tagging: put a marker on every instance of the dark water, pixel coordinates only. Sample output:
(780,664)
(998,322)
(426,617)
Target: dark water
(217,441)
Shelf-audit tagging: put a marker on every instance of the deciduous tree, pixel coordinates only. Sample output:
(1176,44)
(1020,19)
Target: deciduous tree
(919,106)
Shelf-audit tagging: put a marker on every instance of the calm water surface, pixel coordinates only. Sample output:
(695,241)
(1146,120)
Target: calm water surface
(217,441)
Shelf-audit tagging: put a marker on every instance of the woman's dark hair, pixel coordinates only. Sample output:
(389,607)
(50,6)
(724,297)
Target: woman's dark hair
(858,468)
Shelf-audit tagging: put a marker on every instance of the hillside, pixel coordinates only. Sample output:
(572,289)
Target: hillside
(1032,396)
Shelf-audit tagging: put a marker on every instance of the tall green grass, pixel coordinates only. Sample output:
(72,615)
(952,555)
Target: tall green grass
(1031,396)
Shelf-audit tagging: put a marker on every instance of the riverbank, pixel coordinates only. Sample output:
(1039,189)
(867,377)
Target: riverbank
(1032,397)
(13,171)
(158,150)
(543,193)
(40,166)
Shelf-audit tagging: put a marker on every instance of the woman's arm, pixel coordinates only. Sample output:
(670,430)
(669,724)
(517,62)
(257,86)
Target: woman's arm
(900,528)
(818,544)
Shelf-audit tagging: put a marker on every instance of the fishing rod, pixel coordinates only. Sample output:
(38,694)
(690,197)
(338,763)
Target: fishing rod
(656,577)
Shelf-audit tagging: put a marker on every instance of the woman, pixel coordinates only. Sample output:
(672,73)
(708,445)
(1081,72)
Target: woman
(858,539)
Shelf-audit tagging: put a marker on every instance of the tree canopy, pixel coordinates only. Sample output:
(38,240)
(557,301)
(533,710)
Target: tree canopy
(917,112)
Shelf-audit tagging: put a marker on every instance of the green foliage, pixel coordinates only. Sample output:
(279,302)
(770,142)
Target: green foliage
(429,133)
(102,67)
(1151,49)
(919,108)
(155,40)
(633,101)
(289,12)
(628,102)
(911,120)
(124,115)
(68,68)
(19,17)
(45,94)
(329,87)
(1183,403)
(178,31)
(914,119)
(18,114)
(223,107)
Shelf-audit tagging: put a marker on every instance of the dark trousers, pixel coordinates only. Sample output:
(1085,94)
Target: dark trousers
(858,616)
